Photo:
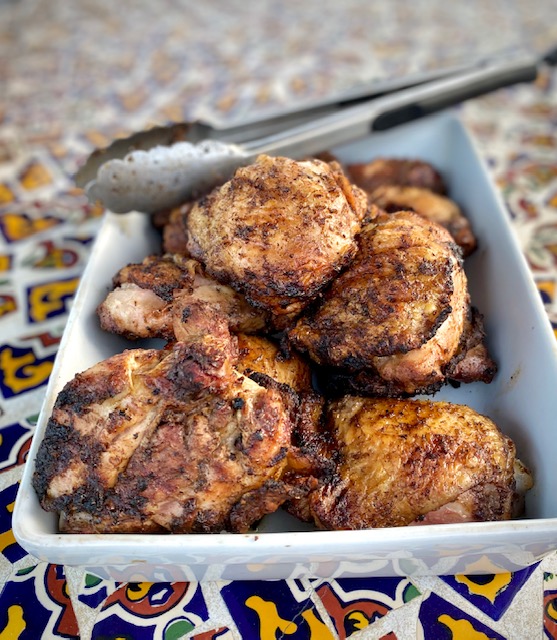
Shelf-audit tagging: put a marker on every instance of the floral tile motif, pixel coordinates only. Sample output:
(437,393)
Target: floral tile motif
(23,369)
(438,619)
(146,610)
(264,609)
(550,605)
(47,300)
(15,226)
(493,594)
(34,603)
(355,603)
(9,548)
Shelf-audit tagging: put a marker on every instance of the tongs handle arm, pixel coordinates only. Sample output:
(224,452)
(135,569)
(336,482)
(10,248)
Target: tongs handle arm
(394,109)
(482,82)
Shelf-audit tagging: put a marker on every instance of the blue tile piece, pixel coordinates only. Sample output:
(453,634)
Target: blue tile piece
(8,545)
(441,620)
(267,608)
(34,603)
(494,593)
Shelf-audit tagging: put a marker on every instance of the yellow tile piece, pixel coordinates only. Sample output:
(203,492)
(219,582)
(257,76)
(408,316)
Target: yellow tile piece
(34,176)
(6,194)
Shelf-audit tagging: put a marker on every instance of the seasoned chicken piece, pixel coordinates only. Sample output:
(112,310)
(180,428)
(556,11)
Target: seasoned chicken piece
(404,172)
(143,300)
(258,354)
(171,440)
(261,358)
(394,184)
(398,312)
(172,226)
(432,206)
(279,231)
(403,462)
(472,362)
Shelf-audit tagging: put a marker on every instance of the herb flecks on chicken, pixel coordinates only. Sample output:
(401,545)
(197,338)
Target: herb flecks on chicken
(279,231)
(174,440)
(397,314)
(410,462)
(142,303)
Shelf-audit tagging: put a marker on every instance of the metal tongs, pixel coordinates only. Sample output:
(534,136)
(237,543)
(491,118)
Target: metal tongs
(166,166)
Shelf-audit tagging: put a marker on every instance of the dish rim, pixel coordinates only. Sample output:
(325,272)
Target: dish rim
(219,546)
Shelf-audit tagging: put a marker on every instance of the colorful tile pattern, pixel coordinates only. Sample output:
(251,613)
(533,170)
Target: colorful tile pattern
(494,593)
(441,620)
(550,605)
(76,75)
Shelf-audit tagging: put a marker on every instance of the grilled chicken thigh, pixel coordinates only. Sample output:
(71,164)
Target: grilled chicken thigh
(403,462)
(279,231)
(259,354)
(221,426)
(400,171)
(171,440)
(174,235)
(397,313)
(432,206)
(142,303)
(472,362)
(395,184)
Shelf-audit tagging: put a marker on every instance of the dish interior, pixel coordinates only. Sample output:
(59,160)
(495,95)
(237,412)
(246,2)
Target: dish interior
(521,399)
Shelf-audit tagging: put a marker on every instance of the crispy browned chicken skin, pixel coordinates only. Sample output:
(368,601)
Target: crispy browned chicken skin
(432,206)
(402,462)
(259,354)
(396,184)
(279,231)
(216,430)
(144,297)
(400,171)
(171,440)
(398,312)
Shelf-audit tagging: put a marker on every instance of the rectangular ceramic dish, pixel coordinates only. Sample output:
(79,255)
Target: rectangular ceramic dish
(522,400)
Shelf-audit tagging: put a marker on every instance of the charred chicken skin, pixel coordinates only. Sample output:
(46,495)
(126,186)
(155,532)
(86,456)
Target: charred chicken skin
(221,426)
(395,184)
(408,462)
(174,440)
(279,231)
(398,312)
(399,171)
(432,206)
(142,303)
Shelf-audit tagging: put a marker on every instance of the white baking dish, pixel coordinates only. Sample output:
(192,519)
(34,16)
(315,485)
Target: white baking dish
(522,400)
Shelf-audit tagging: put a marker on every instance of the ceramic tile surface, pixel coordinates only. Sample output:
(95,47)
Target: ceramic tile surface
(76,75)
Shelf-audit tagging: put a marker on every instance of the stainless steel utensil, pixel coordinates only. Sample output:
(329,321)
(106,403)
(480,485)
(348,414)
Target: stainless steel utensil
(167,174)
(257,127)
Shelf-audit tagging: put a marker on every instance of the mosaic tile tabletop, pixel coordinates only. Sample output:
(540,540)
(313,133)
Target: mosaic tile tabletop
(75,75)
